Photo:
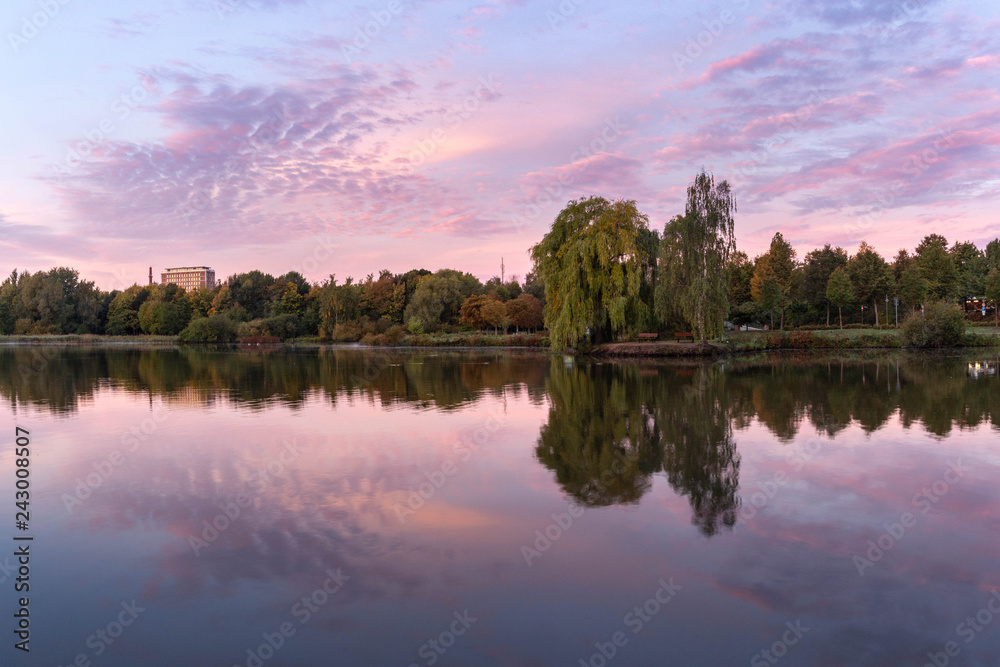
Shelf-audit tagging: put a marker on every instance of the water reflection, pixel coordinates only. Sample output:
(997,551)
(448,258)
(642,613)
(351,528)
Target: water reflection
(612,426)
(652,447)
(60,378)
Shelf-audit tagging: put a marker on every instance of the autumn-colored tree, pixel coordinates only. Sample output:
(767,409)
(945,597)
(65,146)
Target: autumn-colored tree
(494,313)
(471,312)
(525,312)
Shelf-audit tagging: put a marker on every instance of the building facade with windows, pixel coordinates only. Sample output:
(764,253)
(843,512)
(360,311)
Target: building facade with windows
(189,277)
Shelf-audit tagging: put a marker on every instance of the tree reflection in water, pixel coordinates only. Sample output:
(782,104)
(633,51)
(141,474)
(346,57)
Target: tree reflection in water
(611,427)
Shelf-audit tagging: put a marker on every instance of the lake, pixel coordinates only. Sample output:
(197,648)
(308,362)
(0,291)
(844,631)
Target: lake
(397,507)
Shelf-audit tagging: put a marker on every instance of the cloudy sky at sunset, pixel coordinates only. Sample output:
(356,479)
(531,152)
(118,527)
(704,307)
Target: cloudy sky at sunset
(349,137)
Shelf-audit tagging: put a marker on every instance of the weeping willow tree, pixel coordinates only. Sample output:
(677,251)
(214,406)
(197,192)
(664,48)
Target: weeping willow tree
(595,262)
(694,253)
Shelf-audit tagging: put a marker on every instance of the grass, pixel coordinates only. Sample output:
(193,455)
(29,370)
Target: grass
(847,339)
(467,339)
(82,339)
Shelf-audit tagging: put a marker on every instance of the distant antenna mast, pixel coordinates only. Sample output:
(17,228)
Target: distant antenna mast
(501,270)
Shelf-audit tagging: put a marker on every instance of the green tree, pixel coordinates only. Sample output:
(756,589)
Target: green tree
(251,291)
(739,274)
(900,263)
(292,301)
(694,256)
(992,255)
(439,297)
(166,312)
(970,263)
(839,291)
(937,267)
(819,266)
(913,287)
(870,276)
(992,287)
(773,277)
(593,262)
(123,313)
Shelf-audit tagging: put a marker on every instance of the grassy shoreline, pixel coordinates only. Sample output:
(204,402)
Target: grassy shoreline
(734,343)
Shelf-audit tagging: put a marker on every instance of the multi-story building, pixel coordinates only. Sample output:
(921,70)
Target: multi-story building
(189,277)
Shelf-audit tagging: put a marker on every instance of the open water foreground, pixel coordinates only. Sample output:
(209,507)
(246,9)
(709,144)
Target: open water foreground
(392,507)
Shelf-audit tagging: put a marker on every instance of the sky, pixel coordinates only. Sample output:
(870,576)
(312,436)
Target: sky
(347,138)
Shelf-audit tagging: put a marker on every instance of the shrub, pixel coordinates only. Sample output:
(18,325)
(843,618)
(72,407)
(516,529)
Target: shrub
(415,326)
(941,325)
(282,326)
(249,329)
(211,329)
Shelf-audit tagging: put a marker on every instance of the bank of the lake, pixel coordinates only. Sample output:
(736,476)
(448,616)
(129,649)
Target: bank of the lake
(733,342)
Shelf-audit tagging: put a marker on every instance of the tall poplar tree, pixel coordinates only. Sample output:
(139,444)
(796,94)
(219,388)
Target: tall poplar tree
(694,256)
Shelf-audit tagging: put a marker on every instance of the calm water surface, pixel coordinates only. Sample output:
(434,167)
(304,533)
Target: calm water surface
(503,508)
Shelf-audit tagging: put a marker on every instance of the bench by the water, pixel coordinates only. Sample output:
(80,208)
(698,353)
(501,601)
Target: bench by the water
(648,336)
(680,335)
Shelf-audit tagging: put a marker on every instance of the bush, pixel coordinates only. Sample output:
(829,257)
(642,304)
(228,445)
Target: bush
(415,326)
(212,329)
(250,329)
(283,326)
(941,325)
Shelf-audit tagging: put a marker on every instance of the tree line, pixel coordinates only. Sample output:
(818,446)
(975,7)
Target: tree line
(608,275)
(259,304)
(599,273)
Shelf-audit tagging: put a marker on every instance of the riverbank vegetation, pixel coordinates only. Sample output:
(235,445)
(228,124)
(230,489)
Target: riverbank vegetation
(600,274)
